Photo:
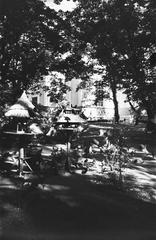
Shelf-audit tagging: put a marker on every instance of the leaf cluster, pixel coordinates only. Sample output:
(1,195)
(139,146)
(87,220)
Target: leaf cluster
(32,36)
(122,36)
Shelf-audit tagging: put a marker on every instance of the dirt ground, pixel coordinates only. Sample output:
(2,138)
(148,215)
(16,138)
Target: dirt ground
(81,206)
(73,207)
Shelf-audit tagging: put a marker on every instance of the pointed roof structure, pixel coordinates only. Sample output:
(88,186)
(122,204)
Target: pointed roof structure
(17,110)
(21,108)
(23,100)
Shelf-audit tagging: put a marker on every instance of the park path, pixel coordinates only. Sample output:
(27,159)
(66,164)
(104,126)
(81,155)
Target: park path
(140,178)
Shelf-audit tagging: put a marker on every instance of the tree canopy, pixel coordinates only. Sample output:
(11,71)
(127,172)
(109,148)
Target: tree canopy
(118,35)
(32,38)
(123,36)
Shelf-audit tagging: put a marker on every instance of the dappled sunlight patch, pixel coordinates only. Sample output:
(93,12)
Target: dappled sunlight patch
(151,162)
(138,175)
(47,149)
(60,192)
(139,168)
(96,167)
(11,214)
(9,207)
(142,184)
(8,186)
(6,183)
(145,193)
(141,177)
(68,200)
(50,187)
(95,179)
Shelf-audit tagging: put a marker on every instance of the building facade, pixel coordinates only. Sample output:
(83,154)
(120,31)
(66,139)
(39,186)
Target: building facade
(85,98)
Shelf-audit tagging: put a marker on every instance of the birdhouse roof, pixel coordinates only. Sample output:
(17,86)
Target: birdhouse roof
(17,110)
(23,100)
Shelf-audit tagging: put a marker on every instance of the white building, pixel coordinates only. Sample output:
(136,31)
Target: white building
(42,97)
(84,98)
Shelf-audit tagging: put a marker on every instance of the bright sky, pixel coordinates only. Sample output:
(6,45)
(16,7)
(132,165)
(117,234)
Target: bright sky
(65,5)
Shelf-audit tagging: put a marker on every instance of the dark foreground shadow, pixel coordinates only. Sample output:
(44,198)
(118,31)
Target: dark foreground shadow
(79,206)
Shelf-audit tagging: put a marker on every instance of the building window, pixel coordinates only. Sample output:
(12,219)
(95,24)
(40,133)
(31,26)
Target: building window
(51,99)
(34,100)
(100,103)
(85,94)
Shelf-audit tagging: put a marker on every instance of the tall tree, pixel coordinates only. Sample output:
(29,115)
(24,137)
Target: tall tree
(32,37)
(138,39)
(122,34)
(97,26)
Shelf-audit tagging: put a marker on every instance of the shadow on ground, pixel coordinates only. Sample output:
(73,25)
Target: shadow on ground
(63,207)
(81,206)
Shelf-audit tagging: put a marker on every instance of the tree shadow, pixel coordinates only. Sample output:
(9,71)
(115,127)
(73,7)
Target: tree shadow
(72,203)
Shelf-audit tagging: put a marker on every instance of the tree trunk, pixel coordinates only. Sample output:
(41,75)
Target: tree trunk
(115,101)
(151,123)
(134,109)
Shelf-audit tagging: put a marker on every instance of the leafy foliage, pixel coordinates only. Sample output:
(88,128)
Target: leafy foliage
(57,88)
(31,38)
(118,35)
(122,36)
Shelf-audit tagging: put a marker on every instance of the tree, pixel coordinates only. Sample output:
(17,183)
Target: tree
(139,42)
(96,27)
(122,34)
(57,88)
(32,37)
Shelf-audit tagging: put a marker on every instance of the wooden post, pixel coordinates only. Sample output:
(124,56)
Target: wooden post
(67,163)
(21,158)
(17,128)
